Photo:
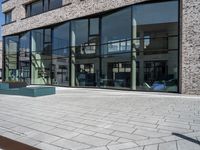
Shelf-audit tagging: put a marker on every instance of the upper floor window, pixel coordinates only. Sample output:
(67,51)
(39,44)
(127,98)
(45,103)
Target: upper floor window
(37,8)
(41,6)
(8,17)
(53,4)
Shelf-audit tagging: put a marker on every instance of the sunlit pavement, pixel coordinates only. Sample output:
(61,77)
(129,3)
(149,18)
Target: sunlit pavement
(102,120)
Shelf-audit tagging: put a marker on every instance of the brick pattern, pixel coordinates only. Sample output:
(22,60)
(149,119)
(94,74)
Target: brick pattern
(190,47)
(102,120)
(77,9)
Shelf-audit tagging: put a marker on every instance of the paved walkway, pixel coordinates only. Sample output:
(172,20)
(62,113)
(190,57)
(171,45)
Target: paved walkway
(102,120)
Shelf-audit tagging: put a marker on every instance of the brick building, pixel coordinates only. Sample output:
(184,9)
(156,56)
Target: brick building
(144,45)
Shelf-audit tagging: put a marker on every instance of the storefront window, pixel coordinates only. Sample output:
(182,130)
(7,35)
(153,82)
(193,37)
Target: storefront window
(60,55)
(116,32)
(156,25)
(41,57)
(85,50)
(11,58)
(24,58)
(132,48)
(116,47)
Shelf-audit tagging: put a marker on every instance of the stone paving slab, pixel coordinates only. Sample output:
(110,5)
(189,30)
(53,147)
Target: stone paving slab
(93,119)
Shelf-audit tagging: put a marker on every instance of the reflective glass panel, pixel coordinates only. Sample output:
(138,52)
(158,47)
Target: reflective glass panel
(155,34)
(60,55)
(41,57)
(116,46)
(116,32)
(94,26)
(37,7)
(11,51)
(55,4)
(24,58)
(61,40)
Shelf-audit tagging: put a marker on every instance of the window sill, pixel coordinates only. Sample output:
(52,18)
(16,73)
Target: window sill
(8,23)
(47,11)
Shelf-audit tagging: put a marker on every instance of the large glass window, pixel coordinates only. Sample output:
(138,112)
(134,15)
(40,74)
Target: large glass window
(36,7)
(11,58)
(116,32)
(60,55)
(24,58)
(85,62)
(116,46)
(41,56)
(94,26)
(155,40)
(55,4)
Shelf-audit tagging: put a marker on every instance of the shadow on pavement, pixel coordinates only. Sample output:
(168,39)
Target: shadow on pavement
(187,138)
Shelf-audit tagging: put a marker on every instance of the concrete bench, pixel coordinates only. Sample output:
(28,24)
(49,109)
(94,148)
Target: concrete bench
(4,86)
(30,91)
(37,91)
(9,91)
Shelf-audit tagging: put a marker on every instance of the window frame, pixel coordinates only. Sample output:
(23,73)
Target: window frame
(6,15)
(45,7)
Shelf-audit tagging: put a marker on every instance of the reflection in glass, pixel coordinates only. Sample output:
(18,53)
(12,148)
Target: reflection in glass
(24,58)
(133,48)
(37,7)
(85,75)
(61,40)
(94,26)
(55,4)
(11,50)
(116,56)
(156,25)
(116,32)
(84,59)
(60,55)
(41,57)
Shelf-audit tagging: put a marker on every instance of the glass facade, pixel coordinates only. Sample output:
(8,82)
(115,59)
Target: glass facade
(134,48)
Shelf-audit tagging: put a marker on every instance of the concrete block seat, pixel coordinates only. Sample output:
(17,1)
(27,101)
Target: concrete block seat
(4,86)
(27,91)
(9,91)
(37,91)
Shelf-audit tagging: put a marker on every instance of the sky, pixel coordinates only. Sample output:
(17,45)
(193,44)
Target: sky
(1,20)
